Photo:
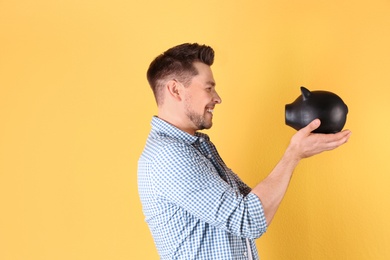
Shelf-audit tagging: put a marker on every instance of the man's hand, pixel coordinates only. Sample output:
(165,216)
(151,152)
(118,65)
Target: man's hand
(305,143)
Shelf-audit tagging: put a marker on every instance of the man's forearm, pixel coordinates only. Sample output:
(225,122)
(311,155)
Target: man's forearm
(272,189)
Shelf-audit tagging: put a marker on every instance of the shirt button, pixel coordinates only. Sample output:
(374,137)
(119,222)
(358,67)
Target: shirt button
(245,254)
(201,139)
(209,156)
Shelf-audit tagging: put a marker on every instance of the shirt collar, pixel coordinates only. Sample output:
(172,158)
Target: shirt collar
(166,129)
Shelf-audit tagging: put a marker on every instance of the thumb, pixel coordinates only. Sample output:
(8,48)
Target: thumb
(313,125)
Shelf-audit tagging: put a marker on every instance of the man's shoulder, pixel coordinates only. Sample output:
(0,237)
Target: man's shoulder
(159,144)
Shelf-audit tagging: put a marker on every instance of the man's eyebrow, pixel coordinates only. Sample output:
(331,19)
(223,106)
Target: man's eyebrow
(211,83)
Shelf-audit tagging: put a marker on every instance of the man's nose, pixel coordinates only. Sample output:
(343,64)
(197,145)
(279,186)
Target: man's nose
(217,98)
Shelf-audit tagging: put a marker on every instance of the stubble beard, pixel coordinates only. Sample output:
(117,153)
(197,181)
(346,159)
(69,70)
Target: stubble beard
(198,120)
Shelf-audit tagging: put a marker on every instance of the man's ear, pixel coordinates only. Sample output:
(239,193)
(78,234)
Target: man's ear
(175,89)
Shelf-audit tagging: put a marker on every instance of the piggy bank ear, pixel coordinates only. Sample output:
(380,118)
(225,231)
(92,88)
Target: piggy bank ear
(305,93)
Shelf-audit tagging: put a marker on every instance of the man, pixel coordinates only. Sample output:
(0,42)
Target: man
(195,206)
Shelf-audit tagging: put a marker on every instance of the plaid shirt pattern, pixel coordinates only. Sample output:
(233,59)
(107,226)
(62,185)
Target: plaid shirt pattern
(194,205)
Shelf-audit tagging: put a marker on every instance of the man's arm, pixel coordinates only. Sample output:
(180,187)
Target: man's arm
(303,144)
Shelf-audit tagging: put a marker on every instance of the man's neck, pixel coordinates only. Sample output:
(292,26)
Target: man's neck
(175,121)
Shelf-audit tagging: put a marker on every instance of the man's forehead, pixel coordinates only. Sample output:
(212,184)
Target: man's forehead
(205,72)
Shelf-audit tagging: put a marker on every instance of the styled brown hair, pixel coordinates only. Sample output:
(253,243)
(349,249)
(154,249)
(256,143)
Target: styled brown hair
(177,63)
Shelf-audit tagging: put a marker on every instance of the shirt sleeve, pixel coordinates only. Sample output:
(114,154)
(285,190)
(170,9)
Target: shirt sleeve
(185,178)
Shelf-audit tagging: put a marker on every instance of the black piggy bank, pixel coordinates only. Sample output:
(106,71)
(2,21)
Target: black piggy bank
(324,105)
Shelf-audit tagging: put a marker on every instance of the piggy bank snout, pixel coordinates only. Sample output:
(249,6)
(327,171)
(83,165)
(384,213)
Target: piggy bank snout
(293,117)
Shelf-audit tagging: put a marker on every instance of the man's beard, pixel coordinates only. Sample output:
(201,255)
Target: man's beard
(198,120)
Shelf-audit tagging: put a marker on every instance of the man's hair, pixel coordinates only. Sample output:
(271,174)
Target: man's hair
(177,63)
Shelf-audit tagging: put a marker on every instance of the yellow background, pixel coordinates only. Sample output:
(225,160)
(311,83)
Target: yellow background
(75,110)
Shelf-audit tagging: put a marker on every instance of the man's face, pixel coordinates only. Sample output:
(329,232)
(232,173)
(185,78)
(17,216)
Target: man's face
(201,98)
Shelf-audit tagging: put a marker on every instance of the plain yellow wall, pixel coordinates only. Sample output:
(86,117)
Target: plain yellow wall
(75,110)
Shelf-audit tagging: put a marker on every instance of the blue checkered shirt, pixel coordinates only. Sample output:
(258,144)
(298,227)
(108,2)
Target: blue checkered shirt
(195,206)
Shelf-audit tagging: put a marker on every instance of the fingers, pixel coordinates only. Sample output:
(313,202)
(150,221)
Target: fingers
(327,142)
(313,125)
(306,144)
(338,139)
